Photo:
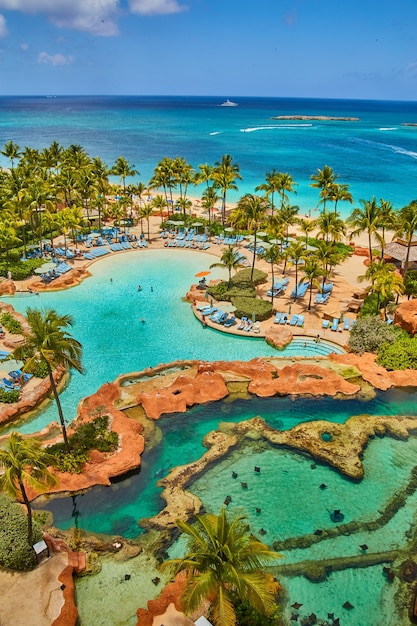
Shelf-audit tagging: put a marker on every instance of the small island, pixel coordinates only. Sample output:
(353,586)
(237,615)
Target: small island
(321,118)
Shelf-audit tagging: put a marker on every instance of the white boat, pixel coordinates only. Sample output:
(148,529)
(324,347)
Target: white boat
(229,103)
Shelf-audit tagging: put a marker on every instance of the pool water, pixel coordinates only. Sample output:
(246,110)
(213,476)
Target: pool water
(108,318)
(117,509)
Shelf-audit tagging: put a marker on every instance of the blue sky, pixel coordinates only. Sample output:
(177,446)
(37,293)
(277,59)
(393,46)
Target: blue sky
(301,48)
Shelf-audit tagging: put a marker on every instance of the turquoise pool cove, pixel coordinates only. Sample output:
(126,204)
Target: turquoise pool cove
(288,502)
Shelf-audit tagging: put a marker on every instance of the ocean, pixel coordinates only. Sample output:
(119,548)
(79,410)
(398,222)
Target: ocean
(375,156)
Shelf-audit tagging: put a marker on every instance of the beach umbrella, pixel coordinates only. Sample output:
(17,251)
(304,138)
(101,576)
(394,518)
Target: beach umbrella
(9,366)
(275,241)
(262,234)
(196,224)
(229,229)
(201,274)
(250,237)
(266,244)
(227,308)
(45,267)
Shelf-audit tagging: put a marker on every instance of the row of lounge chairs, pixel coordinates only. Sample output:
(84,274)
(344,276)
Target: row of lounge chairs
(16,379)
(61,268)
(219,317)
(175,243)
(278,288)
(336,325)
(284,318)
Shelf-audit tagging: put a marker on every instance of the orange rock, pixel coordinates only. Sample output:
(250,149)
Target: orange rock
(303,378)
(170,595)
(406,316)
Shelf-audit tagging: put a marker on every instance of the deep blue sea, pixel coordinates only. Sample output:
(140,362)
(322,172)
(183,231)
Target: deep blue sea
(376,155)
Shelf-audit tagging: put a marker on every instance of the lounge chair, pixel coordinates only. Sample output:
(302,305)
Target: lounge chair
(284,319)
(300,321)
(325,324)
(335,324)
(327,288)
(257,327)
(293,320)
(248,326)
(9,383)
(4,354)
(277,318)
(230,322)
(242,323)
(346,323)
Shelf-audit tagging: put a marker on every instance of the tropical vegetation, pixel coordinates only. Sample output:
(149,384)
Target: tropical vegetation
(48,342)
(15,551)
(25,465)
(224,564)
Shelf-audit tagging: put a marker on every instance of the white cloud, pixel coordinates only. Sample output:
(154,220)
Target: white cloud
(93,16)
(3,27)
(55,59)
(155,7)
(24,46)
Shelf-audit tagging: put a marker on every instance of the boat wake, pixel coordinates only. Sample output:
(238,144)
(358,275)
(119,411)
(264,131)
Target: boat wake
(216,132)
(256,128)
(390,128)
(387,146)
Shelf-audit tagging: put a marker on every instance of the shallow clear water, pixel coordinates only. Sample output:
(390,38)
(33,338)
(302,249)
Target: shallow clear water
(117,509)
(108,322)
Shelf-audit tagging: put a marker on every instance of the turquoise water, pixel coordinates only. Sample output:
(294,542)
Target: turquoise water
(108,322)
(117,509)
(375,156)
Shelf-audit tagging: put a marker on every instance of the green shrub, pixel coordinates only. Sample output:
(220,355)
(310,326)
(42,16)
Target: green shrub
(11,324)
(8,397)
(252,308)
(259,277)
(20,269)
(39,369)
(370,306)
(410,283)
(247,615)
(370,333)
(15,553)
(91,436)
(400,355)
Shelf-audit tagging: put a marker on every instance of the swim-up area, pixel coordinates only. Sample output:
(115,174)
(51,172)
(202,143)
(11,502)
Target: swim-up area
(290,497)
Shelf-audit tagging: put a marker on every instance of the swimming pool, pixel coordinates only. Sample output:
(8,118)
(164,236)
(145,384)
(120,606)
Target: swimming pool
(108,322)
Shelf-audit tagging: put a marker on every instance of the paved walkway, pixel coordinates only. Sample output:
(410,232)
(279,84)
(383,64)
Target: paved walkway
(33,597)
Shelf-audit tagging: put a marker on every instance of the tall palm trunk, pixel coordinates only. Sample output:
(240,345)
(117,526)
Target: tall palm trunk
(59,407)
(29,512)
(253,260)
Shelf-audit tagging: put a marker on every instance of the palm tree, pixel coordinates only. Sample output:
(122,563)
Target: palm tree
(48,341)
(123,169)
(209,198)
(365,219)
(224,176)
(407,226)
(273,256)
(254,209)
(386,220)
(145,213)
(331,225)
(312,272)
(223,565)
(306,227)
(296,253)
(25,464)
(385,281)
(11,151)
(159,203)
(230,259)
(324,179)
(339,193)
